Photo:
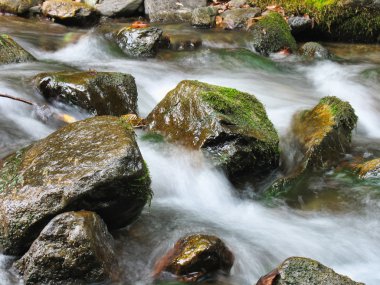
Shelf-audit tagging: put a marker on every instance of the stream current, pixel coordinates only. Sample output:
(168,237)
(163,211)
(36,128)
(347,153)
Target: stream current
(341,230)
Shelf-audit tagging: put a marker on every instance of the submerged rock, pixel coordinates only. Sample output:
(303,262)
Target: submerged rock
(74,248)
(314,50)
(304,271)
(237,18)
(232,127)
(195,257)
(11,52)
(369,169)
(180,42)
(141,42)
(70,12)
(322,135)
(92,165)
(272,34)
(101,93)
(17,6)
(204,17)
(172,11)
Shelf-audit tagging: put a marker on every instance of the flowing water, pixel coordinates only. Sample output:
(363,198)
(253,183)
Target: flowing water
(338,225)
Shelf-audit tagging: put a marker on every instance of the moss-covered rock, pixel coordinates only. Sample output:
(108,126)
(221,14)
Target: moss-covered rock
(339,20)
(92,165)
(11,52)
(322,136)
(272,34)
(194,257)
(18,7)
(70,12)
(101,93)
(304,271)
(232,127)
(142,42)
(314,50)
(74,248)
(369,169)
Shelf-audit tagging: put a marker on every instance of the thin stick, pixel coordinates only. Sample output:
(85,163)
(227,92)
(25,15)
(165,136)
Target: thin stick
(17,99)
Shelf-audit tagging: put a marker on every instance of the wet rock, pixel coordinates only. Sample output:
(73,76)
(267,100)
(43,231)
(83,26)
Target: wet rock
(142,42)
(11,52)
(272,34)
(113,8)
(322,135)
(369,169)
(195,257)
(237,18)
(302,271)
(172,11)
(299,24)
(101,93)
(74,248)
(17,6)
(230,126)
(180,42)
(92,165)
(314,50)
(69,12)
(204,17)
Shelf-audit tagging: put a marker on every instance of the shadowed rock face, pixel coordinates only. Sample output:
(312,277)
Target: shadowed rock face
(101,93)
(304,271)
(11,52)
(74,248)
(70,13)
(194,257)
(93,165)
(232,127)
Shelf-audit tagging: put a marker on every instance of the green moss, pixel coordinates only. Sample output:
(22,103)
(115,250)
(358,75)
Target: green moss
(153,137)
(343,113)
(9,173)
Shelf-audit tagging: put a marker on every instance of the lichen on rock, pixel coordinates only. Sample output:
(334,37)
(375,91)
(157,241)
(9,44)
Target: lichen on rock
(11,52)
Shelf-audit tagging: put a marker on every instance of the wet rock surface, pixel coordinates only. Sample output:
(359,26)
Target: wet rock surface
(11,52)
(204,17)
(17,6)
(195,257)
(238,18)
(232,127)
(74,248)
(118,7)
(141,42)
(369,169)
(304,271)
(93,165)
(101,93)
(314,50)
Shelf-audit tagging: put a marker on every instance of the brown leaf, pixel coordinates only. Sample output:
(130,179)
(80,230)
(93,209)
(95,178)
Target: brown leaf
(269,278)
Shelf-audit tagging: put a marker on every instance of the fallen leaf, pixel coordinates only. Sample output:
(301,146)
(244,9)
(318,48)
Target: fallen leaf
(269,278)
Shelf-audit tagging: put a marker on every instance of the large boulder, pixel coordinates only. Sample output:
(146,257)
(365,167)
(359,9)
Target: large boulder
(138,42)
(11,52)
(322,136)
(304,271)
(101,93)
(338,20)
(74,248)
(92,165)
(172,10)
(69,12)
(116,7)
(17,6)
(272,34)
(232,127)
(194,257)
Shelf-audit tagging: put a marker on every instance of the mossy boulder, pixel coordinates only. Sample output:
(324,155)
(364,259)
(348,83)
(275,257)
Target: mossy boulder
(18,7)
(369,169)
(322,136)
(195,257)
(272,34)
(238,18)
(172,11)
(314,50)
(304,271)
(337,20)
(230,126)
(92,165)
(141,42)
(74,248)
(11,52)
(70,13)
(101,93)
